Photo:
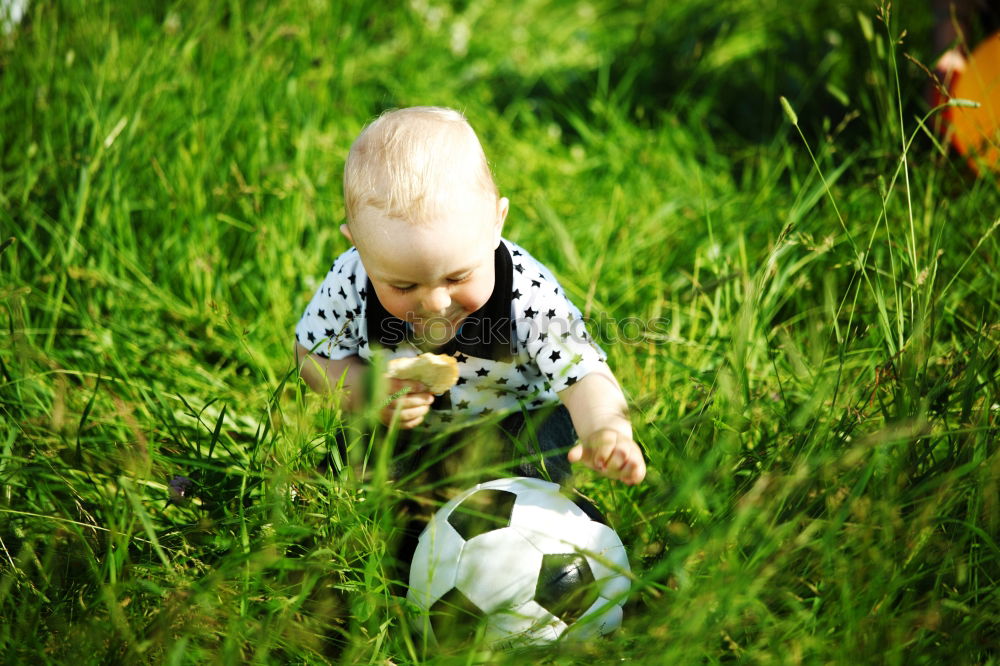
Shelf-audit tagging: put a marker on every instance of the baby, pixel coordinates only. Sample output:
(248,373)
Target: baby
(429,271)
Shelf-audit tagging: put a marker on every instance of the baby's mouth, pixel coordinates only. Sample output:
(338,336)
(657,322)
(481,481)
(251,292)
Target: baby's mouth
(438,329)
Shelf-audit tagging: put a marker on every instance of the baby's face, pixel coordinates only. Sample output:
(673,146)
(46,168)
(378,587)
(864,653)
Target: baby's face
(432,276)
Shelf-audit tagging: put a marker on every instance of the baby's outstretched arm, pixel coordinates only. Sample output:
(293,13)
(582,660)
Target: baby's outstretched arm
(600,416)
(323,376)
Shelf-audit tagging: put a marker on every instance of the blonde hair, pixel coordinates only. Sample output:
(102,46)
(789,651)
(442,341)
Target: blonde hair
(407,161)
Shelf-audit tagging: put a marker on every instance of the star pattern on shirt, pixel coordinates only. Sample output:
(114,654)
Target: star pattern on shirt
(545,358)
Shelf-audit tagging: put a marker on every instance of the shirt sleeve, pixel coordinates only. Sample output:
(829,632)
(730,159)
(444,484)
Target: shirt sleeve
(555,336)
(329,327)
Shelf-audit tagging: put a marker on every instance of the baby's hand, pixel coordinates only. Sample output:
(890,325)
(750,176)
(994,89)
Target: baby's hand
(411,407)
(611,453)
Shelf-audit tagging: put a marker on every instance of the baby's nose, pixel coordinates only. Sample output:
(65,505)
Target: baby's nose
(437,301)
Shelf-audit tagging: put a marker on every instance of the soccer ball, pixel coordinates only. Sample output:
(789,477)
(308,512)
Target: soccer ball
(513,562)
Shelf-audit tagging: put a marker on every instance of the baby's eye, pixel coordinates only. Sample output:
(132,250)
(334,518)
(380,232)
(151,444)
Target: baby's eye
(461,278)
(402,289)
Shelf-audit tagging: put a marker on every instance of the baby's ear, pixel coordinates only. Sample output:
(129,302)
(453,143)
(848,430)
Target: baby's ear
(347,233)
(503,207)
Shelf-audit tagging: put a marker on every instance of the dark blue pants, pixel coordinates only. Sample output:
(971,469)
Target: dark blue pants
(541,441)
(531,444)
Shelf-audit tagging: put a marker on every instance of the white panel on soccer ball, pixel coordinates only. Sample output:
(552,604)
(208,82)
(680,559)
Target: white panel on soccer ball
(609,568)
(570,534)
(551,523)
(517,484)
(528,624)
(546,503)
(601,618)
(433,567)
(498,569)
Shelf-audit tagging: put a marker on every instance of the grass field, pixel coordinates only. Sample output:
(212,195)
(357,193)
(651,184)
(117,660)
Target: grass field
(819,403)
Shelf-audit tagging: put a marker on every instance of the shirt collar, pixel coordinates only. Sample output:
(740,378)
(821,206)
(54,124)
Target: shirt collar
(487,333)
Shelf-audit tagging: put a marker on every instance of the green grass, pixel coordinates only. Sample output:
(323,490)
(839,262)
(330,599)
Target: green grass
(820,411)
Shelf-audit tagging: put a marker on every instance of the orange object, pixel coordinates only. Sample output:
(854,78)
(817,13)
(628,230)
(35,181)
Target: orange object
(975,132)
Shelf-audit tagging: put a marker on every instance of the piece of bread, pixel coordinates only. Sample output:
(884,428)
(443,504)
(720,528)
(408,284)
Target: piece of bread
(438,372)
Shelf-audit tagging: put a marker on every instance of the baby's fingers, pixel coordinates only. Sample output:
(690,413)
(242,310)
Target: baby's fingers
(626,463)
(613,456)
(633,471)
(410,414)
(407,410)
(593,454)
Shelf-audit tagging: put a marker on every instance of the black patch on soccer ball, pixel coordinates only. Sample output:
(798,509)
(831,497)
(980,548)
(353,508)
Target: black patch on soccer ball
(589,509)
(565,586)
(483,511)
(454,618)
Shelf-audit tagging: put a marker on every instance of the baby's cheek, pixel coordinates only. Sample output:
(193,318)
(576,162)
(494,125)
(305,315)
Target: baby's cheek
(466,303)
(474,296)
(398,306)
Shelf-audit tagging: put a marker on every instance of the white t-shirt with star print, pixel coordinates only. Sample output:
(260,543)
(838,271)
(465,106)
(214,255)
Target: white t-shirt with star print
(504,366)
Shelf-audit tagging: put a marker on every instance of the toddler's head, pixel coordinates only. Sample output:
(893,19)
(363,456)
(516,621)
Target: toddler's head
(410,163)
(425,216)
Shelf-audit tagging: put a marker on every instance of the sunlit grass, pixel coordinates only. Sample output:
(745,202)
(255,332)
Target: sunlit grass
(818,402)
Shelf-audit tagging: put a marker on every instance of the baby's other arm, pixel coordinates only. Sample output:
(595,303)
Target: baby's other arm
(323,376)
(600,416)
